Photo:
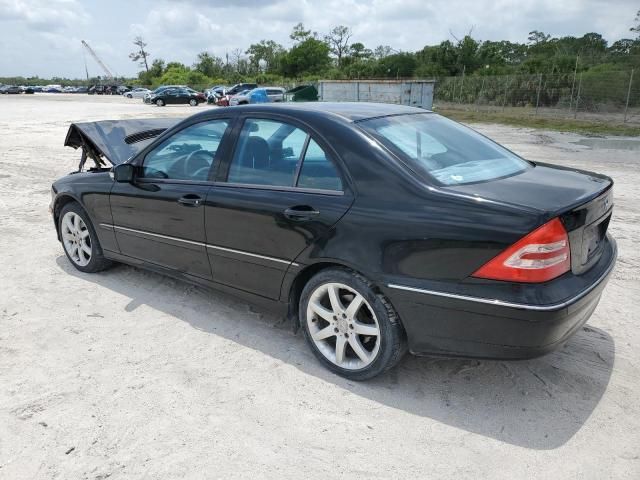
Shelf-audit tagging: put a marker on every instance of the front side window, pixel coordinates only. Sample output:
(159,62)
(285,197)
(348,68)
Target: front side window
(442,149)
(188,154)
(275,153)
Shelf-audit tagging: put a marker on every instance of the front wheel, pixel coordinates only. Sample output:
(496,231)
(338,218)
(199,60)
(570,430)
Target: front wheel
(193,102)
(160,102)
(351,329)
(80,241)
(129,96)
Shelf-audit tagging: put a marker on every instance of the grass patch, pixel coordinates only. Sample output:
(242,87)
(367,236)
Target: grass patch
(586,127)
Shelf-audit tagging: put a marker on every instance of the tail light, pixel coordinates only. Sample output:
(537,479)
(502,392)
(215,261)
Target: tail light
(538,257)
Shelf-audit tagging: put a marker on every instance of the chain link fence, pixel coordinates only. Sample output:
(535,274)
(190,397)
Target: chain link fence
(612,96)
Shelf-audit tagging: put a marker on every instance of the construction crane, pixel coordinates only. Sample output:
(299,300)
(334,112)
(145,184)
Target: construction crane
(108,74)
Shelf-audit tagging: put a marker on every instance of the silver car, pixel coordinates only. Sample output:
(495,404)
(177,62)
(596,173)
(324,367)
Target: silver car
(139,92)
(275,94)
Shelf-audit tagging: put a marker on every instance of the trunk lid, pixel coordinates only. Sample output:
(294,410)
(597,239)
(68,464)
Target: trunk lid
(583,201)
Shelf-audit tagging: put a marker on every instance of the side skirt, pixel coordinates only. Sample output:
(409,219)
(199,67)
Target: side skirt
(274,306)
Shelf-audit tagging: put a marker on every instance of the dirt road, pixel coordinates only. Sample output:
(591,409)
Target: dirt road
(128,374)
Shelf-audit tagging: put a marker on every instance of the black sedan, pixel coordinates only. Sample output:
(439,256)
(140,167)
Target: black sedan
(176,96)
(376,228)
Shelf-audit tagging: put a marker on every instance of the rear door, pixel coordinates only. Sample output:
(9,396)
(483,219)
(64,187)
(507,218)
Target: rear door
(281,190)
(159,217)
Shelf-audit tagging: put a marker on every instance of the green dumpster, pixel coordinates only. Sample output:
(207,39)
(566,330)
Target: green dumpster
(302,93)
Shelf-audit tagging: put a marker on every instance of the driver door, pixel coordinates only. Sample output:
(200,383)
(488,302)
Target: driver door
(159,217)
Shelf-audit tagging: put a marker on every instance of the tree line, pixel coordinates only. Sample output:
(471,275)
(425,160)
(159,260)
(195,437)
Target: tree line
(335,56)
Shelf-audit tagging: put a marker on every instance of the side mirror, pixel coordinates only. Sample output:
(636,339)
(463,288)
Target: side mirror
(123,173)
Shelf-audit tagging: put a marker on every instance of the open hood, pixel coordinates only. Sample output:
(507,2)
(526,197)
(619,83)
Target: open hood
(115,141)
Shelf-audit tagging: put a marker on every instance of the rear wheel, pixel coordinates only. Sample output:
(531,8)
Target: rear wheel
(160,102)
(79,240)
(193,102)
(353,330)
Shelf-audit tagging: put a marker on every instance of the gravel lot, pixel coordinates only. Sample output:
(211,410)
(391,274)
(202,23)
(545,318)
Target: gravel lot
(128,374)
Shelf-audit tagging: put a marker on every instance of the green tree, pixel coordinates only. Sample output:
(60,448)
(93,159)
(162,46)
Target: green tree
(299,34)
(636,27)
(140,55)
(208,65)
(266,51)
(310,56)
(338,41)
(398,65)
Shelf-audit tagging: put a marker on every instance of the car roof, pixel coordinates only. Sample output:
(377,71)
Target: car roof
(350,111)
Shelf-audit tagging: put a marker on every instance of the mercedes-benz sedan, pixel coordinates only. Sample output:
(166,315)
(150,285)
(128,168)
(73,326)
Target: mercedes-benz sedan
(376,228)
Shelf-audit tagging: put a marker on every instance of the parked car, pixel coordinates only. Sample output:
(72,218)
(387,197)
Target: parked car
(275,94)
(377,228)
(176,96)
(147,97)
(29,90)
(258,95)
(215,89)
(10,89)
(240,87)
(199,95)
(240,98)
(52,89)
(138,92)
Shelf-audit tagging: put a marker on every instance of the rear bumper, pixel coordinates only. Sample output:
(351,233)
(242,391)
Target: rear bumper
(439,323)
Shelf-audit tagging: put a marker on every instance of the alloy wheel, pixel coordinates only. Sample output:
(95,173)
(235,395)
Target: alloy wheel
(76,238)
(343,326)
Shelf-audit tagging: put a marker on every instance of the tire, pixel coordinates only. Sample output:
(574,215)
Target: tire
(87,256)
(160,102)
(193,102)
(371,328)
(129,95)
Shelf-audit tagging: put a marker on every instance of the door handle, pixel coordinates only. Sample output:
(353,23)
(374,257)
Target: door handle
(190,200)
(301,212)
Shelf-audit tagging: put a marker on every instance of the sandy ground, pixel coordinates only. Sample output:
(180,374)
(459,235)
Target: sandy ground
(128,374)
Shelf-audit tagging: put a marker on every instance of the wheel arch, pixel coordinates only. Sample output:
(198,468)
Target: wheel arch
(294,289)
(60,201)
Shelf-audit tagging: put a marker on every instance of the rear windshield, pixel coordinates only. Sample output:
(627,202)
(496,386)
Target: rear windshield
(444,150)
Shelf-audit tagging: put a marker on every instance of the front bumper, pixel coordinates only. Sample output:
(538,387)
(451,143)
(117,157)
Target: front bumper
(454,324)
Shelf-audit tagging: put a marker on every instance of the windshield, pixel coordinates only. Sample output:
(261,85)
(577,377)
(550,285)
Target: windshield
(444,150)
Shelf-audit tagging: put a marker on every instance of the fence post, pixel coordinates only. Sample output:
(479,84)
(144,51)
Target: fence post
(538,94)
(464,68)
(626,106)
(480,94)
(506,88)
(573,84)
(575,114)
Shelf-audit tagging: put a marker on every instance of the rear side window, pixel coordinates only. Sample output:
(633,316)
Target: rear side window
(444,150)
(275,153)
(318,172)
(267,153)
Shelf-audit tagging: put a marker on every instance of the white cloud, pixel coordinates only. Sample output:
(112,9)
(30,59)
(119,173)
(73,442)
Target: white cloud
(43,36)
(44,15)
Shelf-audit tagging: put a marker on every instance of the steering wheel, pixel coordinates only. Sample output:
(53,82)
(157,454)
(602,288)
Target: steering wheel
(197,163)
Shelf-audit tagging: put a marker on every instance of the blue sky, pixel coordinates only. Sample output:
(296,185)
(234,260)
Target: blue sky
(42,37)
